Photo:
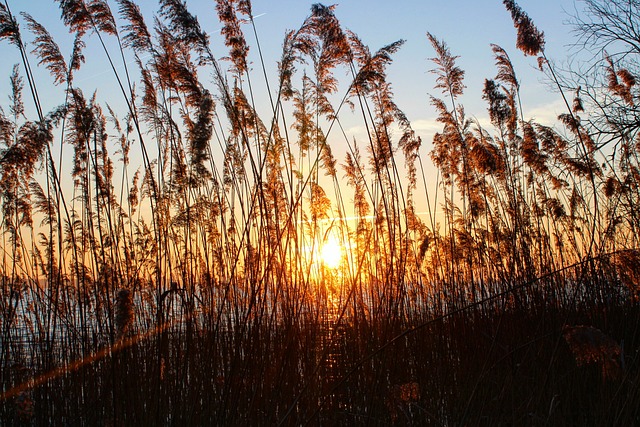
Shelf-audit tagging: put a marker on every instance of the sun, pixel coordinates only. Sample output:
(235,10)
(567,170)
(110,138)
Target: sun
(331,253)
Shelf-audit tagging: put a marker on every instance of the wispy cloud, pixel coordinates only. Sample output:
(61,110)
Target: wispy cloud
(429,126)
(546,114)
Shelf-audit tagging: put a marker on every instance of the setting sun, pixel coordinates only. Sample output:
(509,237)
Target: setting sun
(331,253)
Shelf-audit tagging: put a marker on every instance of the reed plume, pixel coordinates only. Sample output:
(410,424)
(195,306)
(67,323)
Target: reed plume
(590,345)
(102,17)
(449,77)
(75,15)
(185,26)
(623,90)
(234,37)
(9,28)
(529,39)
(137,35)
(48,51)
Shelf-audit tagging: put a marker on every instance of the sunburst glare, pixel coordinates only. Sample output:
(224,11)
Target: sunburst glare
(331,253)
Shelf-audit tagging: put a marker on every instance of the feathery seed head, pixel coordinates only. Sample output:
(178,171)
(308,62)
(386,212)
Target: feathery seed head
(530,40)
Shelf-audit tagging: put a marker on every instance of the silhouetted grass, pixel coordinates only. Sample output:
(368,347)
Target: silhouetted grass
(160,265)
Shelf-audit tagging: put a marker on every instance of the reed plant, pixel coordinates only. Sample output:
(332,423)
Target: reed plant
(161,263)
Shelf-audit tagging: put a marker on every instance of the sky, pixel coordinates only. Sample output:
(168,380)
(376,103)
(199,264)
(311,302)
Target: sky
(467,26)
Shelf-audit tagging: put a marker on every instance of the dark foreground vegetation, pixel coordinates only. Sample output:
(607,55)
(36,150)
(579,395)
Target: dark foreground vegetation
(162,265)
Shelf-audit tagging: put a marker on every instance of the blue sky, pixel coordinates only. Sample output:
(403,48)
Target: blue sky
(467,26)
